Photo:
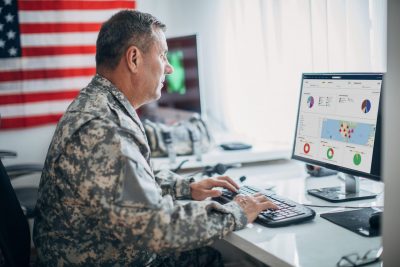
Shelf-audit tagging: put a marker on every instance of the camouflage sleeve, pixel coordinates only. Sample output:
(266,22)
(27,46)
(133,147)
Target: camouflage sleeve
(120,186)
(174,184)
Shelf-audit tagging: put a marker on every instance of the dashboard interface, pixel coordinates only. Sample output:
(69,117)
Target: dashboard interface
(337,119)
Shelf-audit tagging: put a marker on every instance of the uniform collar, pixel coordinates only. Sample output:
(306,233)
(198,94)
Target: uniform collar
(119,96)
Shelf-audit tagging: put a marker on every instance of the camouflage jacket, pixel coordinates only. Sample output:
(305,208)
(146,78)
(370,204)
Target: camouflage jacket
(100,202)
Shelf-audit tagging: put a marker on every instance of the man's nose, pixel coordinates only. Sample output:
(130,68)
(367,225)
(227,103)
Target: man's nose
(168,68)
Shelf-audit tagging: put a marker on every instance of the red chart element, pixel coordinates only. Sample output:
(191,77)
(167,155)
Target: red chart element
(306,148)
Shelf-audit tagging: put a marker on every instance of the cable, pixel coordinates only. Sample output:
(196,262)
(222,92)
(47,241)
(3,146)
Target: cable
(180,165)
(216,169)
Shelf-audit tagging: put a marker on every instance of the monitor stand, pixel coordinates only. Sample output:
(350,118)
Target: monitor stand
(350,192)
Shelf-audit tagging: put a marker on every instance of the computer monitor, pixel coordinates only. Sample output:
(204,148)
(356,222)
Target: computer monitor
(339,127)
(181,91)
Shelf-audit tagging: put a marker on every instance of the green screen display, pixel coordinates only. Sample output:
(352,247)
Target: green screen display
(176,80)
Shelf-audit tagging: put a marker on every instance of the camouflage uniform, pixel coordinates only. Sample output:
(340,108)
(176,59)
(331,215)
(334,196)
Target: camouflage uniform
(100,202)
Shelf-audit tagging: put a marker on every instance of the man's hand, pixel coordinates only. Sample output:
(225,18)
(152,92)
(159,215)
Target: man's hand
(253,205)
(204,188)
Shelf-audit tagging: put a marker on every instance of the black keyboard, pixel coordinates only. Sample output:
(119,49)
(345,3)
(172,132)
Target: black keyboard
(289,212)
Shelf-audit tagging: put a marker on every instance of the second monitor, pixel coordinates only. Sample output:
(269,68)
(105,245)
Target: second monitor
(181,94)
(339,127)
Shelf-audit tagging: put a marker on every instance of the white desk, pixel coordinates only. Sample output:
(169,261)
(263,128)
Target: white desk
(315,243)
(259,152)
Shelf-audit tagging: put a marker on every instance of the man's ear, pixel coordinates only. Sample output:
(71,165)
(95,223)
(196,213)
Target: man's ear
(133,57)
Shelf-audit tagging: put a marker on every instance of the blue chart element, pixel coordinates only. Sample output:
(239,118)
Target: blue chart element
(366,106)
(349,132)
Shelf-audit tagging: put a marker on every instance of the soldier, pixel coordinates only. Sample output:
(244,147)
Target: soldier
(100,203)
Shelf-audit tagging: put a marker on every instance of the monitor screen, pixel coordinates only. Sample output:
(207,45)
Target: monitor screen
(180,96)
(338,122)
(182,90)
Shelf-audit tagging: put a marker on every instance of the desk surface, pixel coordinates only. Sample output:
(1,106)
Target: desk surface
(259,152)
(315,243)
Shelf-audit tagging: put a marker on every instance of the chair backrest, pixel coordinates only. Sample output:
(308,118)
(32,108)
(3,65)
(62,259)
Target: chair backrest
(15,239)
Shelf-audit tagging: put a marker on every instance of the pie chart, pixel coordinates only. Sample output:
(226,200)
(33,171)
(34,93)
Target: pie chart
(357,159)
(310,101)
(366,106)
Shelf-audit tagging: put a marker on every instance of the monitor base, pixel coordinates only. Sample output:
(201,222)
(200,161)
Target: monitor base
(339,194)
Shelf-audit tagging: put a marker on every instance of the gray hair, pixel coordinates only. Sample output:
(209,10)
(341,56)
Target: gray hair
(125,28)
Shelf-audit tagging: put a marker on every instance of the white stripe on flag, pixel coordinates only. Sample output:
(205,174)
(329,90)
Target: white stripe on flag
(48,62)
(32,109)
(65,16)
(62,39)
(46,85)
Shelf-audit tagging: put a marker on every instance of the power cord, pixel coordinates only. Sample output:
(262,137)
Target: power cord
(180,165)
(211,170)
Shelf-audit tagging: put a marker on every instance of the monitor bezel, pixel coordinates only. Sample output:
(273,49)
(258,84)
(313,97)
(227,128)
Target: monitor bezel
(376,157)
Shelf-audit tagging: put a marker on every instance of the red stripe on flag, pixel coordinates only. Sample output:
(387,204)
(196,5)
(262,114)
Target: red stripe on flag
(37,97)
(8,76)
(73,5)
(27,28)
(44,72)
(34,51)
(20,122)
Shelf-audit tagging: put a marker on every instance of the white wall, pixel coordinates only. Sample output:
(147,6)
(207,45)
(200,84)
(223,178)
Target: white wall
(196,17)
(391,141)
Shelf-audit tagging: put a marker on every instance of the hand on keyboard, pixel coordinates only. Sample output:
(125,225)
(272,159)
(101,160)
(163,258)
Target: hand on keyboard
(254,205)
(202,189)
(289,212)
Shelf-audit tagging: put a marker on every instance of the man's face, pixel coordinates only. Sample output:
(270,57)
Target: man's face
(156,66)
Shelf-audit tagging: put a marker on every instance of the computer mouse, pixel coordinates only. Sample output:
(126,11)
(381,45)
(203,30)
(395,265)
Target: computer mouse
(375,220)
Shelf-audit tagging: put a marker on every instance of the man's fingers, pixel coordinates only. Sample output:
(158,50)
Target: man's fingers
(264,202)
(261,198)
(267,205)
(229,180)
(224,184)
(212,193)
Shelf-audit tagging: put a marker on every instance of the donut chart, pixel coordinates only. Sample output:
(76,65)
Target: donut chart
(330,152)
(306,148)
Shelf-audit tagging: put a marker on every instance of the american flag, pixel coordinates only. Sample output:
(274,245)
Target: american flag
(47,54)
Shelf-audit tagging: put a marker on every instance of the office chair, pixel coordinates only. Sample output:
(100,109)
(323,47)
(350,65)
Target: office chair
(15,239)
(27,195)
